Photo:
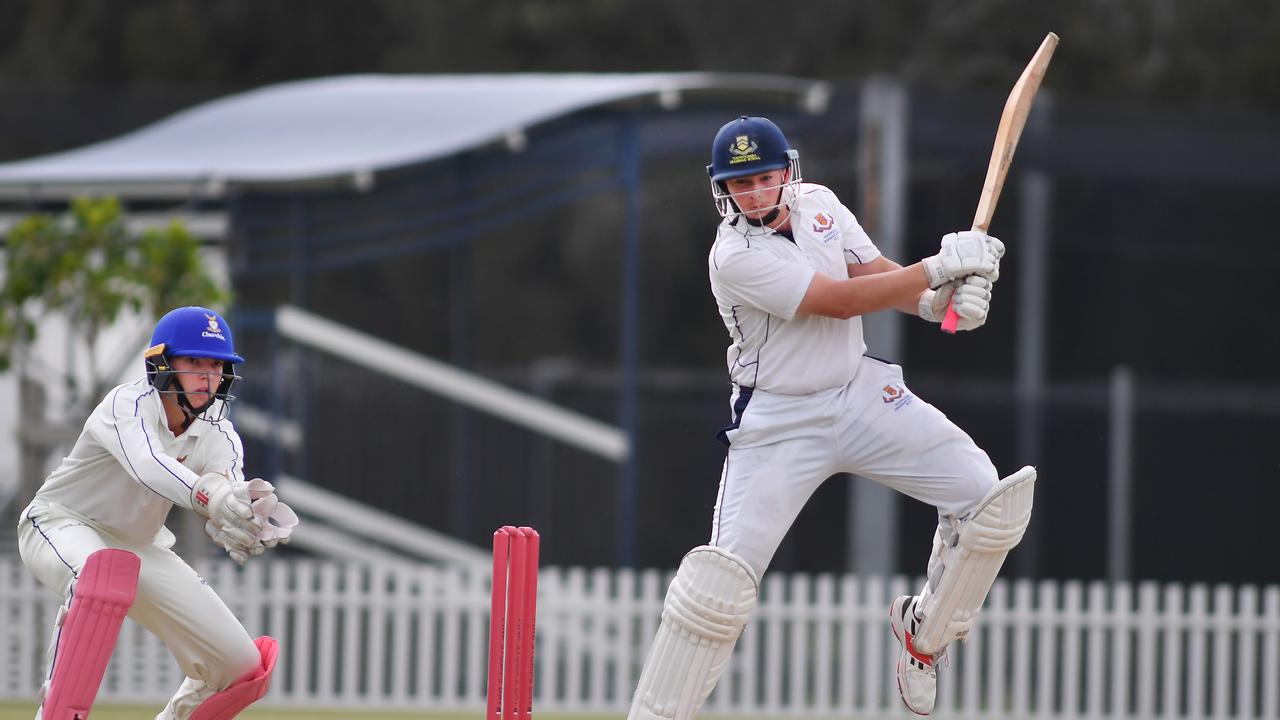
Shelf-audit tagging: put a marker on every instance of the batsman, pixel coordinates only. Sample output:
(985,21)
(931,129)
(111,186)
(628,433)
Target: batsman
(95,535)
(793,273)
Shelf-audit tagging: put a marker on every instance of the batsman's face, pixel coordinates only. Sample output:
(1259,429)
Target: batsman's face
(758,194)
(199,377)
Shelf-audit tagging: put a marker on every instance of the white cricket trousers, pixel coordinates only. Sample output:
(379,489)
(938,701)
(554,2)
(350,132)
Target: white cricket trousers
(785,446)
(210,644)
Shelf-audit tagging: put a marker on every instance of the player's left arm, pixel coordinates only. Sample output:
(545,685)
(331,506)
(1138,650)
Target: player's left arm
(883,264)
(972,296)
(224,457)
(857,245)
(277,519)
(225,453)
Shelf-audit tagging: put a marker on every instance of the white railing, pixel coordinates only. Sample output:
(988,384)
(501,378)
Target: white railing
(391,637)
(352,524)
(441,378)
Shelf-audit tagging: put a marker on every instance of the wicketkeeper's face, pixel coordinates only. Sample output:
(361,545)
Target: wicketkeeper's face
(198,377)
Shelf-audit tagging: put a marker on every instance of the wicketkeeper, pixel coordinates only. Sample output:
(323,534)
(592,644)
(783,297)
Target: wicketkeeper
(95,534)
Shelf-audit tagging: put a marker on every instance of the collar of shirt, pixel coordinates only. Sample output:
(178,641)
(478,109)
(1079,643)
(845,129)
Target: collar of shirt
(195,429)
(787,234)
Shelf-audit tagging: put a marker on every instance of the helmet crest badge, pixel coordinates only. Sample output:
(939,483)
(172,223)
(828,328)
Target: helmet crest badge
(743,149)
(212,331)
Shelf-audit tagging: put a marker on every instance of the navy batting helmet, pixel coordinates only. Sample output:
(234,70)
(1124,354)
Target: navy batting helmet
(194,332)
(747,146)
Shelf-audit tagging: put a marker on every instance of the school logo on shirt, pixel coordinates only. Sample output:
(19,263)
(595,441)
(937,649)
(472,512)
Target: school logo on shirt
(897,395)
(742,150)
(213,331)
(823,225)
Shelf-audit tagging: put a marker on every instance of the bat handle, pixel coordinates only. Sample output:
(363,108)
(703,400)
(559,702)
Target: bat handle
(952,320)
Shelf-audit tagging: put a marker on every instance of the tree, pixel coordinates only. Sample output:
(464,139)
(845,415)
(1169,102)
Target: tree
(87,267)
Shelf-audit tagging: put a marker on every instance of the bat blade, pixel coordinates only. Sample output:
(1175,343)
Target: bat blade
(1012,121)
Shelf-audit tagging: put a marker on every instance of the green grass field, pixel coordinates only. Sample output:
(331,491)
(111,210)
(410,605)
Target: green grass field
(26,711)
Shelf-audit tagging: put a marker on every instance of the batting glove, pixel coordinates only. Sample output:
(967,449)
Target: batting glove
(962,254)
(972,298)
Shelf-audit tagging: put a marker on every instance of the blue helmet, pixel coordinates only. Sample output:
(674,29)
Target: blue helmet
(747,146)
(194,332)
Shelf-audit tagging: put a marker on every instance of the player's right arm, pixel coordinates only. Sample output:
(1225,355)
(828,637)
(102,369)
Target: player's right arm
(127,424)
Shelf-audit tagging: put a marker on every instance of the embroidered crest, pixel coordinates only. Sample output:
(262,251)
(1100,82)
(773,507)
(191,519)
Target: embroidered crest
(896,395)
(743,150)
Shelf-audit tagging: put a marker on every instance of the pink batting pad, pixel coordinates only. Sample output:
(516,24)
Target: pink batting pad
(243,692)
(100,598)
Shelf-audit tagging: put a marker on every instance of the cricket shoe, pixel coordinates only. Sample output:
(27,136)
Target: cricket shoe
(917,678)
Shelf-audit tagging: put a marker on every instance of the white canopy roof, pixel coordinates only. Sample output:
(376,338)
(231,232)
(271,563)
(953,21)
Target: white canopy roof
(347,126)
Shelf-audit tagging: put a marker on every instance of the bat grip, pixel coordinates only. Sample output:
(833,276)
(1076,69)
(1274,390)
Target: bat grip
(952,320)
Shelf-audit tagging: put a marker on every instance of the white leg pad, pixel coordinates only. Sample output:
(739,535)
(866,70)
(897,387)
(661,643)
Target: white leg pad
(706,608)
(970,567)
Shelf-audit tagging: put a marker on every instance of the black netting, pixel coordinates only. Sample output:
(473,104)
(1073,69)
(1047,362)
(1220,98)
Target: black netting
(509,263)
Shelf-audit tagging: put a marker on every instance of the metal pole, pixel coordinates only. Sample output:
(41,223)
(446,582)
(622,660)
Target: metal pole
(629,340)
(1031,247)
(1120,474)
(301,380)
(275,396)
(882,202)
(460,355)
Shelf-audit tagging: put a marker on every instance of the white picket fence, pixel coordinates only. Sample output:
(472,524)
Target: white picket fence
(819,646)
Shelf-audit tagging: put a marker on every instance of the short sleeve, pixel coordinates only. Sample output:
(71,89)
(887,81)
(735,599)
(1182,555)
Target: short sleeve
(858,248)
(765,281)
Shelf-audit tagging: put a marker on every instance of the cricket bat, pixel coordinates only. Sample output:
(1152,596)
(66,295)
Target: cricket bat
(1012,120)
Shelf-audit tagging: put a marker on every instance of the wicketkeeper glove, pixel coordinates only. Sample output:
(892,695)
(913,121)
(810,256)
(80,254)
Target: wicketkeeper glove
(278,522)
(226,503)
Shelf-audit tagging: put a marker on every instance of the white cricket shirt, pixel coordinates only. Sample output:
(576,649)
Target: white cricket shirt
(759,280)
(127,469)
